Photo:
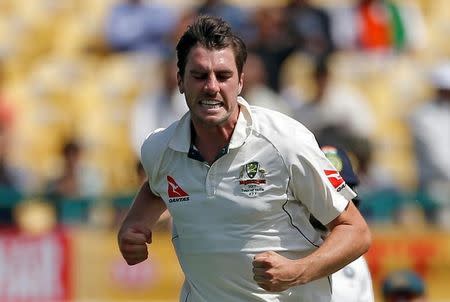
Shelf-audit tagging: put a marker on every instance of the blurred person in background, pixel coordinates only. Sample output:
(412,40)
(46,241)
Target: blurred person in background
(310,27)
(335,105)
(256,91)
(157,108)
(13,181)
(271,42)
(403,286)
(75,179)
(379,26)
(135,25)
(10,177)
(352,283)
(430,127)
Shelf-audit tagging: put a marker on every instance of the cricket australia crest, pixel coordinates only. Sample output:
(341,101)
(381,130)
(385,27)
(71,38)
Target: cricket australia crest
(252,179)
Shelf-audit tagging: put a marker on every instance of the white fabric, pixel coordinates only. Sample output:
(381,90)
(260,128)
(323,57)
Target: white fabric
(353,283)
(226,216)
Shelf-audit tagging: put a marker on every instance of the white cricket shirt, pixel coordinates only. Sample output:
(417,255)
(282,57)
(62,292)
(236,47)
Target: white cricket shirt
(257,197)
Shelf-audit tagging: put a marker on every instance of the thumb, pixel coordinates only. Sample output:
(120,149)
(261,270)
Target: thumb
(142,229)
(262,256)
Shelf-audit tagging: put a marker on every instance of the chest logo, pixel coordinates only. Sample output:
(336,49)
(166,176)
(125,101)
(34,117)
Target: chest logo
(252,178)
(175,192)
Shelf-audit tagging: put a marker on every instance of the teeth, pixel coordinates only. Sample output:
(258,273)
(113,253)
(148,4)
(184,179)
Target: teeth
(210,102)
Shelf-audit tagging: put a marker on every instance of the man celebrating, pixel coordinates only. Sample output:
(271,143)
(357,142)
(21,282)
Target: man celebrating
(241,183)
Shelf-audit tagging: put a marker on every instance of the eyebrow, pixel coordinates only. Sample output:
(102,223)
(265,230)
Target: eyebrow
(223,71)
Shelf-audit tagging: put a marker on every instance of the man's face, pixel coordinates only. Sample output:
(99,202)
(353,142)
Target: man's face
(211,84)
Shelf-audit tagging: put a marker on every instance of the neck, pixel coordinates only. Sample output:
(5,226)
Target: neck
(210,140)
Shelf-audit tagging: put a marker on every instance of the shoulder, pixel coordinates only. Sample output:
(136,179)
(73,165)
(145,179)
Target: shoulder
(284,132)
(157,141)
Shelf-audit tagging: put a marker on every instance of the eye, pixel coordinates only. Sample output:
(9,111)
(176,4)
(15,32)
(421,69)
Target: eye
(199,76)
(223,77)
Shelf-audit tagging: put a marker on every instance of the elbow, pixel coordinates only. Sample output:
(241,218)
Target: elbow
(366,239)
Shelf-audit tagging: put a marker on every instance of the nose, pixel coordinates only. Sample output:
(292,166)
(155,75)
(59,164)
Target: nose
(212,85)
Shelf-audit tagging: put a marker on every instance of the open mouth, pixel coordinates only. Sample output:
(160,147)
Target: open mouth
(211,104)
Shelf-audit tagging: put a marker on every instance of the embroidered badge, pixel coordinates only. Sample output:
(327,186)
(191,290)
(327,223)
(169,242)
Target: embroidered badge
(252,177)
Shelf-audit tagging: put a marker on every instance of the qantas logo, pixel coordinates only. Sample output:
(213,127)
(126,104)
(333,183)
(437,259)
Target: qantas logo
(175,192)
(336,179)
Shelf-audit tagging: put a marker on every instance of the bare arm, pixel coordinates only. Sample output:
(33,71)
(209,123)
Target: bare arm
(135,231)
(349,239)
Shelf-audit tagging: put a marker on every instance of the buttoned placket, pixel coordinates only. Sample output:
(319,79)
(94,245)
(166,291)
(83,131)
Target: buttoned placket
(211,174)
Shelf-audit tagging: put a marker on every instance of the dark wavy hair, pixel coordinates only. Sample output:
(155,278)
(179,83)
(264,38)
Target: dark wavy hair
(211,33)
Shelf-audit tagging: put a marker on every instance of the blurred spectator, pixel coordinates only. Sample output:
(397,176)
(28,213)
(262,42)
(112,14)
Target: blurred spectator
(234,15)
(134,25)
(379,25)
(12,180)
(309,26)
(157,108)
(335,104)
(271,42)
(255,89)
(9,177)
(75,179)
(403,286)
(430,126)
(337,114)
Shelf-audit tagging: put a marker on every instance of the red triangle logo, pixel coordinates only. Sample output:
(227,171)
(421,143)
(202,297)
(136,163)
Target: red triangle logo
(173,189)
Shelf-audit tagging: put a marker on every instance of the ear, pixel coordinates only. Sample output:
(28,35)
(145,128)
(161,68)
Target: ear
(180,83)
(241,83)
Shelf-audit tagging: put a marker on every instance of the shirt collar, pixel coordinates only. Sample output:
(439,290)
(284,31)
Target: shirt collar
(181,140)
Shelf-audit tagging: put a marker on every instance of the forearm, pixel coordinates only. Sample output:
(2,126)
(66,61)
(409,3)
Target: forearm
(146,209)
(345,243)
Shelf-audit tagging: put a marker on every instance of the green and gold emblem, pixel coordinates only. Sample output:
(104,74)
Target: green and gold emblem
(251,169)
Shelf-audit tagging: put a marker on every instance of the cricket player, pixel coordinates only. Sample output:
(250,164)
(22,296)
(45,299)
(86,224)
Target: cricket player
(240,183)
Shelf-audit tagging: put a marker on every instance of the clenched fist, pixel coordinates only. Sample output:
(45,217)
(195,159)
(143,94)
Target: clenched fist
(274,272)
(133,243)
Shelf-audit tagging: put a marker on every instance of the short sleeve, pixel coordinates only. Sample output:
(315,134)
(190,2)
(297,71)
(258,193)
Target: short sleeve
(150,157)
(316,183)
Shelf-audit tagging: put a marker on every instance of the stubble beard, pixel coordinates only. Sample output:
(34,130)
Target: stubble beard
(208,123)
